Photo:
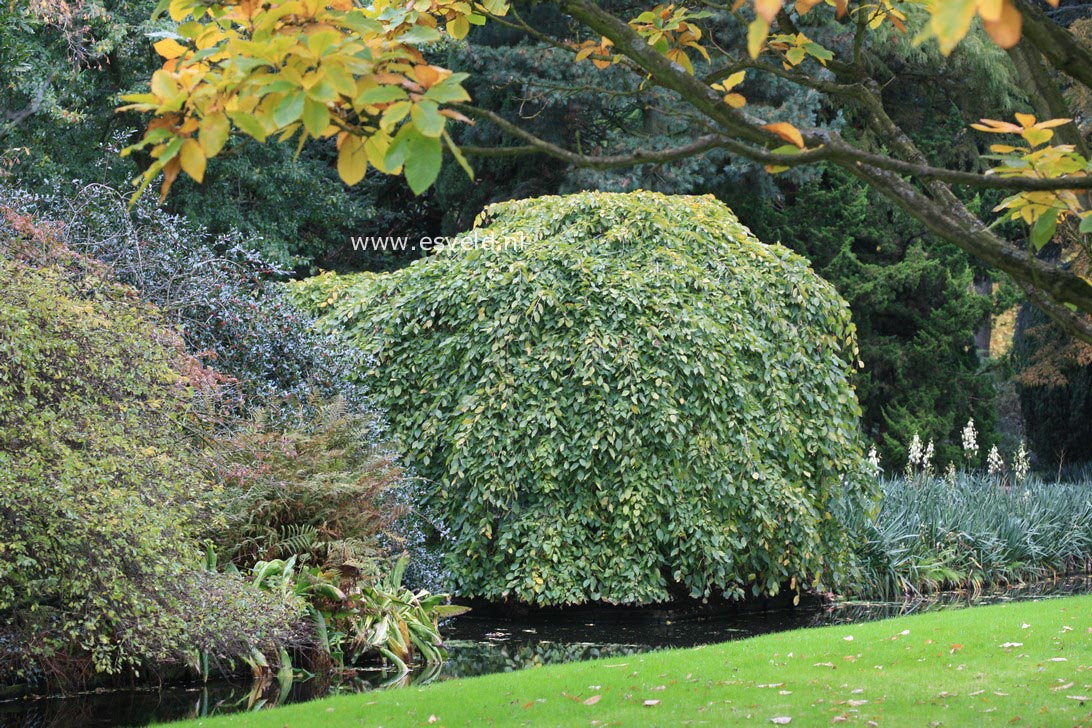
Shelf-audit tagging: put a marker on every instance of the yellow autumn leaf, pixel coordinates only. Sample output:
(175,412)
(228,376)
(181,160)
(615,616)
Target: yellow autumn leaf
(352,160)
(734,80)
(192,158)
(756,36)
(1006,27)
(458,27)
(950,21)
(767,9)
(213,133)
(786,131)
(169,48)
(736,101)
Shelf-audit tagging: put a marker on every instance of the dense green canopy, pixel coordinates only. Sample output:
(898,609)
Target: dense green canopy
(616,397)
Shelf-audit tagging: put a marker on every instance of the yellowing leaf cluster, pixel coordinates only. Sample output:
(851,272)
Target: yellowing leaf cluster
(310,69)
(671,30)
(1042,210)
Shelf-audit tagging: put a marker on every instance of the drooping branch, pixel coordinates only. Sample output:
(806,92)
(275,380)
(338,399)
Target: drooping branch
(946,223)
(978,240)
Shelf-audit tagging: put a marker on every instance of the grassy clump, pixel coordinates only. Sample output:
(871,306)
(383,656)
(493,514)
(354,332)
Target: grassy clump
(1026,663)
(970,532)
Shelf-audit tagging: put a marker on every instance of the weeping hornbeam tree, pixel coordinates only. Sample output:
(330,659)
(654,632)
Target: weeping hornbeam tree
(306,70)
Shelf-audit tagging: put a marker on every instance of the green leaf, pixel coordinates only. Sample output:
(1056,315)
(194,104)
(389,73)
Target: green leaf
(419,34)
(289,109)
(423,161)
(455,152)
(316,117)
(1043,230)
(248,124)
(426,116)
(380,95)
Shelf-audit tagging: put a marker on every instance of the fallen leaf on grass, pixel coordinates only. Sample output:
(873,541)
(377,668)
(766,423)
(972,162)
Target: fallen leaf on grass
(781,720)
(650,703)
(1058,659)
(1067,686)
(856,703)
(848,638)
(824,664)
(432,719)
(1012,644)
(1081,698)
(593,700)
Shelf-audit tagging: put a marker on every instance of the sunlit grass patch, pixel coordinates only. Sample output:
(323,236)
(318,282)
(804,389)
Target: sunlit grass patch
(1023,664)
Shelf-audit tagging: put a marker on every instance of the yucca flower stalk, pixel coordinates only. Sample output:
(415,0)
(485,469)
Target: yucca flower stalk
(874,460)
(970,443)
(995,464)
(1021,465)
(915,456)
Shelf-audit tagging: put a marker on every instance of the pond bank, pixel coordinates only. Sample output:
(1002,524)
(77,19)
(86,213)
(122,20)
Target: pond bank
(479,646)
(1006,663)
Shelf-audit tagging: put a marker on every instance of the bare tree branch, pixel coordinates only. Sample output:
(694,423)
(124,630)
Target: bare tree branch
(641,156)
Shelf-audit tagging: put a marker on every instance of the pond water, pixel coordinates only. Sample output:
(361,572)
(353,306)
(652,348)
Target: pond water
(479,645)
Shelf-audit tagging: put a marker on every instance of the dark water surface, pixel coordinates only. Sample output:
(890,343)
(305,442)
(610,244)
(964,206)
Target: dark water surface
(479,645)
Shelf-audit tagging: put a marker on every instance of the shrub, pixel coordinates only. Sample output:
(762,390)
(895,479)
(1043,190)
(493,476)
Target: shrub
(302,444)
(618,398)
(220,295)
(321,491)
(100,500)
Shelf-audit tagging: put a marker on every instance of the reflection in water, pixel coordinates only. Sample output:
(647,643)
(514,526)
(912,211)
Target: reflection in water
(478,646)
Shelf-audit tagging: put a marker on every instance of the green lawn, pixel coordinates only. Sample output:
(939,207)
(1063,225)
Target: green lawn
(1028,663)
